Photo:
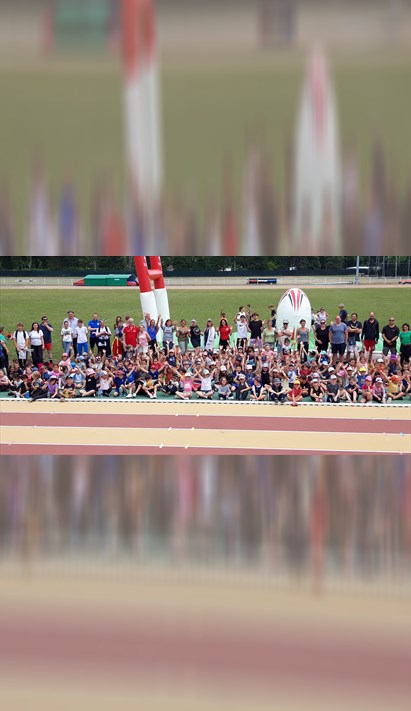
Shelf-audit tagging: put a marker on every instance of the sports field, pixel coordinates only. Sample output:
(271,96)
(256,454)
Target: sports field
(28,305)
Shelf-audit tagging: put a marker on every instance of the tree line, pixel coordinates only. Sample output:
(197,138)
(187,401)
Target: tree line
(189,263)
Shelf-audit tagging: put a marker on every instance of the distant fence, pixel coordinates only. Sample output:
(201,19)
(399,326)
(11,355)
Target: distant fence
(218,281)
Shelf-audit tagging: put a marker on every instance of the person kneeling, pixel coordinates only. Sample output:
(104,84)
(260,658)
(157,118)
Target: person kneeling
(295,396)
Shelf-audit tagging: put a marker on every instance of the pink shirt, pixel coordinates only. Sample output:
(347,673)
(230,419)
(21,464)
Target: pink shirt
(142,338)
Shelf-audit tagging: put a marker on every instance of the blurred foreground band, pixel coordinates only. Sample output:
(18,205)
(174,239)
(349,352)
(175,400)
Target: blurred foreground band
(134,126)
(235,583)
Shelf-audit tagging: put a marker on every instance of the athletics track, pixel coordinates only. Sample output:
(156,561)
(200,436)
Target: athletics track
(170,427)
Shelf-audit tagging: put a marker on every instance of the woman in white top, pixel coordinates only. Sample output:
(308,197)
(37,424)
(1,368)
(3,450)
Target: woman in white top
(36,343)
(103,339)
(210,334)
(66,337)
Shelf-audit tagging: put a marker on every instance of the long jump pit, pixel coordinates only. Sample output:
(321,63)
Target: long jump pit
(118,427)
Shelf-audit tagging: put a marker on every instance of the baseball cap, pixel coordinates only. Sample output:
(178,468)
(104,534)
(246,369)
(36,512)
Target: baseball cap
(241,375)
(53,377)
(90,371)
(331,369)
(65,355)
(187,375)
(378,380)
(223,368)
(249,367)
(206,372)
(380,360)
(333,377)
(393,356)
(369,378)
(265,365)
(363,369)
(315,380)
(296,382)
(285,321)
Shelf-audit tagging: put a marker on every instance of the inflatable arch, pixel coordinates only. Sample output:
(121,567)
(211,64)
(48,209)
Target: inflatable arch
(153,302)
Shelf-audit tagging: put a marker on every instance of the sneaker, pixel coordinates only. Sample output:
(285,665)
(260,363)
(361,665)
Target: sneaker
(129,396)
(389,400)
(155,396)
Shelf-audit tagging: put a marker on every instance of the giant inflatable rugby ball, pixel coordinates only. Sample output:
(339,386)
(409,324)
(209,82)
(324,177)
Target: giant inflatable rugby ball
(294,305)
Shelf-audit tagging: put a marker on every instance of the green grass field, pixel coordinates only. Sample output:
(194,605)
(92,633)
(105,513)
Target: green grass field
(70,114)
(30,304)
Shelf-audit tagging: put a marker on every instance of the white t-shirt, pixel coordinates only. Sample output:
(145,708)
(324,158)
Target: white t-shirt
(67,335)
(21,339)
(82,334)
(242,329)
(35,338)
(206,384)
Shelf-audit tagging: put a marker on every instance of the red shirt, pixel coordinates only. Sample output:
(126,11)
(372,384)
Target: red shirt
(225,332)
(130,335)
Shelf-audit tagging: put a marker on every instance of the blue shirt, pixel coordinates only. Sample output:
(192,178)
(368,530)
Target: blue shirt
(338,333)
(93,324)
(46,333)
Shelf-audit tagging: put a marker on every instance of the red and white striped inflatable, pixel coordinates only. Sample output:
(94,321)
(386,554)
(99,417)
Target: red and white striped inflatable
(142,109)
(152,302)
(294,305)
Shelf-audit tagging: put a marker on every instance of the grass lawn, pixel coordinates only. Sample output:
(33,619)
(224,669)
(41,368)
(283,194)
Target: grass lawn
(70,114)
(28,305)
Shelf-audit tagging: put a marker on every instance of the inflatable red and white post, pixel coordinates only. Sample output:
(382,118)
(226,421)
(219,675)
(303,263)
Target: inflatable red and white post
(152,302)
(317,182)
(144,150)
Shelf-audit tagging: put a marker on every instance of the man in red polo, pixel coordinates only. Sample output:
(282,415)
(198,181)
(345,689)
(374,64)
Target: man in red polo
(130,332)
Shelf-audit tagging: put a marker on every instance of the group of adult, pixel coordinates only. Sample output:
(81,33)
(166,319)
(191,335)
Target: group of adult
(251,359)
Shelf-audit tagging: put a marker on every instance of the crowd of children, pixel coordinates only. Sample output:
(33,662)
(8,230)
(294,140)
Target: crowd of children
(252,360)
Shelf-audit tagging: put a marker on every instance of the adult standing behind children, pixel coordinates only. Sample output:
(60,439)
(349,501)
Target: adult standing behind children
(390,334)
(73,323)
(338,339)
(370,334)
(36,344)
(47,330)
(93,328)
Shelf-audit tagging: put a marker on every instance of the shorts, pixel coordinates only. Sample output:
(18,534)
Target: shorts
(338,348)
(369,345)
(48,346)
